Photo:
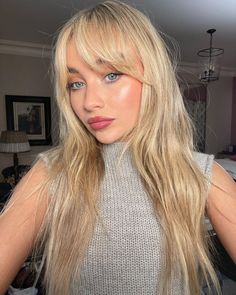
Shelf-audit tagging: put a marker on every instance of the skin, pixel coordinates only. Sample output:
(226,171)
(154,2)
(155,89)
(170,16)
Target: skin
(20,224)
(221,208)
(119,100)
(105,93)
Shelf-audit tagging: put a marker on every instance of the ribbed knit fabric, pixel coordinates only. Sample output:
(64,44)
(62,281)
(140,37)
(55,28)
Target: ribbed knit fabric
(126,252)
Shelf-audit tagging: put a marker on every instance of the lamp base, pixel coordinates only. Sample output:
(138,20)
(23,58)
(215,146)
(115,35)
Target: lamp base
(16,167)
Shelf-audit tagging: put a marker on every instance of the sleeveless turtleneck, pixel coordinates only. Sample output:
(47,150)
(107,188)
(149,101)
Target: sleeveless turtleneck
(126,253)
(124,256)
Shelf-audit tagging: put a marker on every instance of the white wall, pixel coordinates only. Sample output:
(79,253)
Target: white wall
(29,76)
(219,114)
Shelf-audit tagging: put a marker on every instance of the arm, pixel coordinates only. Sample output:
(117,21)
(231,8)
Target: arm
(221,208)
(20,223)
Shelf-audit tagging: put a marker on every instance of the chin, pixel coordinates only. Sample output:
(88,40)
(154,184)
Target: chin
(108,139)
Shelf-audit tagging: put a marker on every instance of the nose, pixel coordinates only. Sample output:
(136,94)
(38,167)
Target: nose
(93,98)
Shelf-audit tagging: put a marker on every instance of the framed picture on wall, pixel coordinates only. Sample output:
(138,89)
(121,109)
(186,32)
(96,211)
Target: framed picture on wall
(31,114)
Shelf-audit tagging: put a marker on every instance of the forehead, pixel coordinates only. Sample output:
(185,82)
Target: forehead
(74,59)
(79,56)
(73,56)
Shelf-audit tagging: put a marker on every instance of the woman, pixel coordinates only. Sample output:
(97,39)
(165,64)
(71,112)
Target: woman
(118,207)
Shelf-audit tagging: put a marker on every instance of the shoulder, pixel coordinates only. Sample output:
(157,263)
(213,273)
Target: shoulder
(222,182)
(30,195)
(20,222)
(50,156)
(36,175)
(221,208)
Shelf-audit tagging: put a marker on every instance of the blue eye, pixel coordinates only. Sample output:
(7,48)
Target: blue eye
(76,85)
(112,77)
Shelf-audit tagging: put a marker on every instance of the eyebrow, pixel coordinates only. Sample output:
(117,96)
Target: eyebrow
(99,61)
(72,70)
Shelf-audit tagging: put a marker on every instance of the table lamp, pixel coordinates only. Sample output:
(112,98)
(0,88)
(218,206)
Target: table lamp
(12,141)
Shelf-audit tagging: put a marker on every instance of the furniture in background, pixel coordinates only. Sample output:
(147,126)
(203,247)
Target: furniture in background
(28,278)
(222,260)
(9,173)
(229,165)
(12,141)
(226,155)
(5,191)
(223,264)
(8,181)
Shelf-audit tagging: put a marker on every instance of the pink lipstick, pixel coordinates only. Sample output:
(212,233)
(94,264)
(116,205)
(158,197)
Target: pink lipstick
(97,123)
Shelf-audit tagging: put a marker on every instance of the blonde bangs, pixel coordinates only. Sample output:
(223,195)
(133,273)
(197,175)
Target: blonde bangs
(102,38)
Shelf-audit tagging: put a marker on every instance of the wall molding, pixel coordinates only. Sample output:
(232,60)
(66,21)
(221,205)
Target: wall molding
(45,51)
(25,49)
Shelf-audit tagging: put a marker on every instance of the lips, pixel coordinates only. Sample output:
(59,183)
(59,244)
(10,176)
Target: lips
(97,123)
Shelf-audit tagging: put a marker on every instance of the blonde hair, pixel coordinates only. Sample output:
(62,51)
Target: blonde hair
(161,145)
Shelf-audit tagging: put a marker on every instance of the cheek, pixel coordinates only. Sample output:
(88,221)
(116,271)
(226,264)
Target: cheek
(130,97)
(76,106)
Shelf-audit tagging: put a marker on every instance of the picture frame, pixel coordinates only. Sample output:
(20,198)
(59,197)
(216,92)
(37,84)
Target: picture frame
(31,114)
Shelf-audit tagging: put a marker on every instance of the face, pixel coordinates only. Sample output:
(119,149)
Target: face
(106,102)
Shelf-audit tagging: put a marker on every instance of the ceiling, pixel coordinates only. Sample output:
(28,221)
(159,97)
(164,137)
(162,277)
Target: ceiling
(38,21)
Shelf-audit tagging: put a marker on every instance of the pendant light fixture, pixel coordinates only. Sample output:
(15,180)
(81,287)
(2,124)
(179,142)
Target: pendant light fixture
(209,61)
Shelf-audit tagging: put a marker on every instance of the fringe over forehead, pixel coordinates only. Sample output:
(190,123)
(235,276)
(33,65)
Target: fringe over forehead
(111,32)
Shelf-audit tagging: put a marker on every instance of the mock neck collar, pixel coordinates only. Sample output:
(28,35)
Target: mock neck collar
(114,151)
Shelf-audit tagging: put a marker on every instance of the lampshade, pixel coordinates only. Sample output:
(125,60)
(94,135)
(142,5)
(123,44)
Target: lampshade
(14,142)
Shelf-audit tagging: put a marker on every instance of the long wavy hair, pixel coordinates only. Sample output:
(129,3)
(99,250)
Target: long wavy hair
(161,146)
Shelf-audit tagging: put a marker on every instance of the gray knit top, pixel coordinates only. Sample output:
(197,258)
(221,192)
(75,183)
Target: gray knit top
(126,253)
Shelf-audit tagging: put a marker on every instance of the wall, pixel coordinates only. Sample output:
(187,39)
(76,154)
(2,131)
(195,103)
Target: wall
(30,76)
(233,124)
(219,108)
(219,115)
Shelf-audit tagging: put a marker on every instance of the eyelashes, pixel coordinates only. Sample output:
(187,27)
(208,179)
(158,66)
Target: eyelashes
(75,85)
(109,78)
(112,77)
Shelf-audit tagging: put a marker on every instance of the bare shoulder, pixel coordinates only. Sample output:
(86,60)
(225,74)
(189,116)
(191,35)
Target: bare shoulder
(20,222)
(221,177)
(223,187)
(221,207)
(29,195)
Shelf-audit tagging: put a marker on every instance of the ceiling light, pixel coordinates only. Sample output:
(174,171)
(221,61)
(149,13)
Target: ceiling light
(209,61)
